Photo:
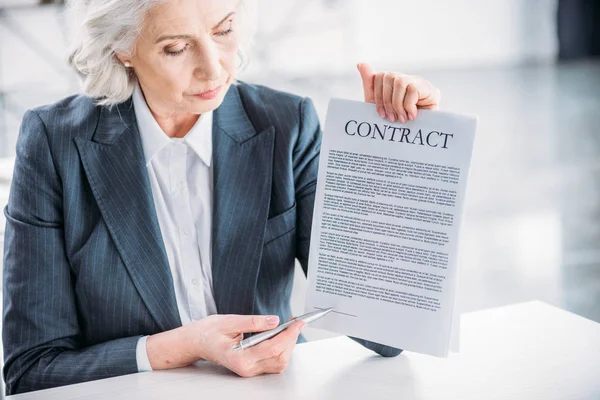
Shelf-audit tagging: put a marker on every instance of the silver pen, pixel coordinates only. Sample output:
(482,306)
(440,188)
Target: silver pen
(260,337)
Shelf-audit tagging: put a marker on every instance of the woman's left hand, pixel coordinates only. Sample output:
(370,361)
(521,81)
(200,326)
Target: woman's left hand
(396,95)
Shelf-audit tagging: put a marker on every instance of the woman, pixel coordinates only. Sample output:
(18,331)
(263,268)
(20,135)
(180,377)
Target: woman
(155,220)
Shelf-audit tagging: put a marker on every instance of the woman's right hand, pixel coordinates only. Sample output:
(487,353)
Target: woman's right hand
(212,338)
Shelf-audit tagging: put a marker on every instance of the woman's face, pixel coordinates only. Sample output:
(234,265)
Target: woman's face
(186,50)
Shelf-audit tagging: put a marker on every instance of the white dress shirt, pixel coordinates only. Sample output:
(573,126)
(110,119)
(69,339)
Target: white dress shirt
(180,175)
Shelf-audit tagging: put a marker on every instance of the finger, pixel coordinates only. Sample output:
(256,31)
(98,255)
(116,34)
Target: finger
(367,73)
(379,95)
(284,358)
(429,95)
(278,364)
(431,102)
(410,101)
(249,323)
(277,344)
(398,99)
(388,89)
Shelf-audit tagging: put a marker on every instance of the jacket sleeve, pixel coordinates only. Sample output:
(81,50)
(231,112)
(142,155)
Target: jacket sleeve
(306,160)
(41,334)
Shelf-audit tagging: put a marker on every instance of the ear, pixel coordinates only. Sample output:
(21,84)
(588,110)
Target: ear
(122,57)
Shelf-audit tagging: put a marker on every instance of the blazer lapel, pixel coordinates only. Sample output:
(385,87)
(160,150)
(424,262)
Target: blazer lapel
(243,160)
(115,167)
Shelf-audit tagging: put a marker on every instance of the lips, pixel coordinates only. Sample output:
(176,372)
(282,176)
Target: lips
(209,94)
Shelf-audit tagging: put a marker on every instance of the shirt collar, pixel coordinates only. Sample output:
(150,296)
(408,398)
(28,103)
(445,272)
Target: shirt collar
(199,138)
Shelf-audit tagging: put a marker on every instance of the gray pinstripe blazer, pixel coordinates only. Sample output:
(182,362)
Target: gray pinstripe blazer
(85,270)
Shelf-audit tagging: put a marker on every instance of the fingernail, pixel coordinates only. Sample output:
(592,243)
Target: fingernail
(410,117)
(391,117)
(381,112)
(272,320)
(402,119)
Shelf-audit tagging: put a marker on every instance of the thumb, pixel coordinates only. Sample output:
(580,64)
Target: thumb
(250,323)
(367,73)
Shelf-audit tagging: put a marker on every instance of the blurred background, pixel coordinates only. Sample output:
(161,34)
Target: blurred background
(527,68)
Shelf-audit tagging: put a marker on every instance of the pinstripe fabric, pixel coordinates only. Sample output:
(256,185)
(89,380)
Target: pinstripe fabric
(85,269)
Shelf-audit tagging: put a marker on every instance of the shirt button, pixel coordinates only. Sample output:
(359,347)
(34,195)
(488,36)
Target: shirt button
(195,282)
(186,232)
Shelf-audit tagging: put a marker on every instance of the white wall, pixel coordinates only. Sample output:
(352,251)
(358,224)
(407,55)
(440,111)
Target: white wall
(459,33)
(407,34)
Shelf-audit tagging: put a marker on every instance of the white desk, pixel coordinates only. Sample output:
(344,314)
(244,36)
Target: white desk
(526,351)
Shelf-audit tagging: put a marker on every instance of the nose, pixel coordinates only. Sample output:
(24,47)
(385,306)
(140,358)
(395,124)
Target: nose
(208,63)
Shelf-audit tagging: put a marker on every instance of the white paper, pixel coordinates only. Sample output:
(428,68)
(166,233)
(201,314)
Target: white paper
(386,222)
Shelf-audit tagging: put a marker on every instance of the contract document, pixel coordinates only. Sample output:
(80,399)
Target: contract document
(386,223)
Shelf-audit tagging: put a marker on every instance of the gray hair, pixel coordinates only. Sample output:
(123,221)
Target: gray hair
(104,28)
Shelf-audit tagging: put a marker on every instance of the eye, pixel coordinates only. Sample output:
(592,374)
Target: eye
(176,52)
(227,31)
